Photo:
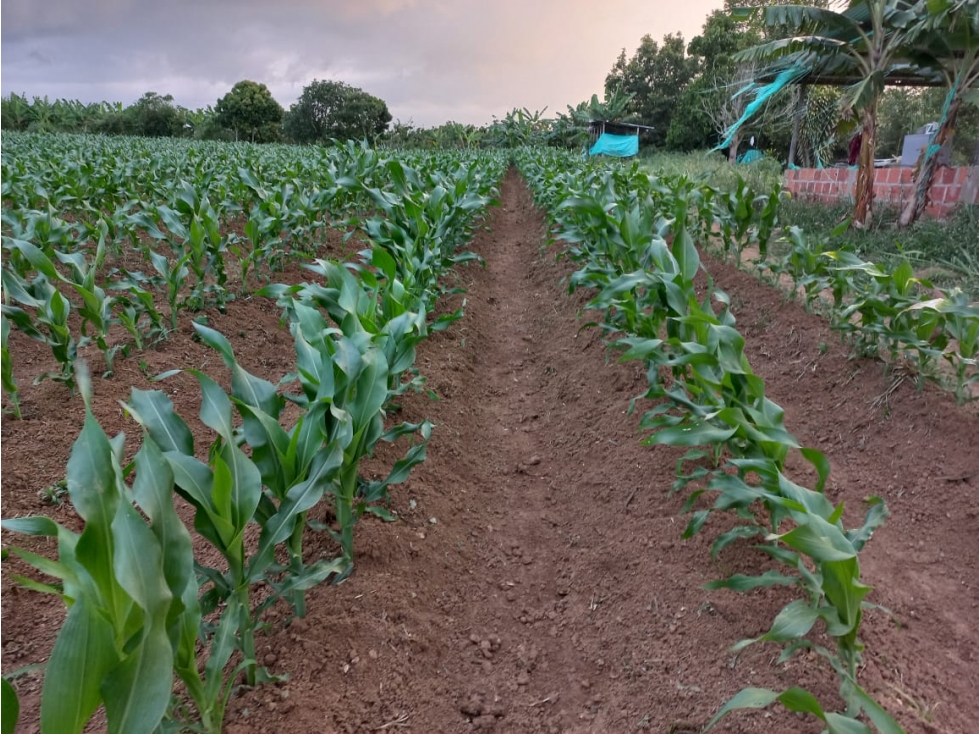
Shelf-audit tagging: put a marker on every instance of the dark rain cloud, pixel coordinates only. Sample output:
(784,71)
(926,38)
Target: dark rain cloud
(431,60)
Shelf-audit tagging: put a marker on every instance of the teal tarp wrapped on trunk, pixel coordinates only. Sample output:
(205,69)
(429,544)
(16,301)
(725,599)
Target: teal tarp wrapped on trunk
(621,146)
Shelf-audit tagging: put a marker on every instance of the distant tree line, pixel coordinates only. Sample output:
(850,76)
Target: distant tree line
(326,110)
(686,94)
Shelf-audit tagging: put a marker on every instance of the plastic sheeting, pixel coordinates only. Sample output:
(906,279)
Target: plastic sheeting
(750,156)
(620,146)
(762,95)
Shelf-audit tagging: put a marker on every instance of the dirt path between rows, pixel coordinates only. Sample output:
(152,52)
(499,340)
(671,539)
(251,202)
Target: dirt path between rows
(537,580)
(553,592)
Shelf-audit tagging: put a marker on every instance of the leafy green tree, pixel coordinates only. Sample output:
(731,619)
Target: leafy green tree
(701,102)
(329,110)
(250,112)
(691,127)
(153,116)
(655,77)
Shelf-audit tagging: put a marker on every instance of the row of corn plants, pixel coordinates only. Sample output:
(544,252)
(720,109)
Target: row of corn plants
(143,609)
(889,313)
(885,312)
(77,216)
(632,237)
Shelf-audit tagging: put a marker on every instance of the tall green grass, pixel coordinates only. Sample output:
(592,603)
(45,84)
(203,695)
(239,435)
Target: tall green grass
(945,251)
(761,175)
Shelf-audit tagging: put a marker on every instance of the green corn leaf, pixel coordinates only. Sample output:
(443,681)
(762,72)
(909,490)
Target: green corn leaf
(55,569)
(255,391)
(222,647)
(740,582)
(725,539)
(222,492)
(794,621)
(153,492)
(271,447)
(153,410)
(195,481)
(372,389)
(43,526)
(382,260)
(217,341)
(821,463)
(696,523)
(840,724)
(686,255)
(41,262)
(702,434)
(246,485)
(300,498)
(747,698)
(83,655)
(841,584)
(137,692)
(9,707)
(380,512)
(876,514)
(216,411)
(308,436)
(818,539)
(93,485)
(815,503)
(884,722)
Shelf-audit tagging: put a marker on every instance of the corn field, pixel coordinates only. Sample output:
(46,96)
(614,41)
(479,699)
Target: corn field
(179,546)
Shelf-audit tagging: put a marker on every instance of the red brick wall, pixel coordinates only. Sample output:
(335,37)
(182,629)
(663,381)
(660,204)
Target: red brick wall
(892,186)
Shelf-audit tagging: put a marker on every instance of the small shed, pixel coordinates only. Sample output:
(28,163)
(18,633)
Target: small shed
(619,139)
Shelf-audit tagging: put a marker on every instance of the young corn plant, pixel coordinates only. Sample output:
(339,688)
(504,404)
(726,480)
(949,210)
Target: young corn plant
(131,593)
(7,380)
(49,325)
(345,376)
(823,557)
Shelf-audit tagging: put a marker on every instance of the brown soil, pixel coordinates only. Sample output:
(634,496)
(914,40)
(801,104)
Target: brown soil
(537,581)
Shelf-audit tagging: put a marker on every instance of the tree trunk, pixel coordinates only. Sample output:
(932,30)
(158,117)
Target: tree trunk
(800,108)
(863,194)
(732,152)
(928,164)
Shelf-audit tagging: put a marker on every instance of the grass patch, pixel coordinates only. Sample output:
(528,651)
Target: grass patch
(946,252)
(715,169)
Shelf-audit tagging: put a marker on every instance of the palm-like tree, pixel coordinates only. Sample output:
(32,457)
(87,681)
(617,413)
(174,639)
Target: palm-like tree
(614,108)
(863,43)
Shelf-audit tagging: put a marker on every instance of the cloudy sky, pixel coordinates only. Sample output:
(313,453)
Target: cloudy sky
(430,60)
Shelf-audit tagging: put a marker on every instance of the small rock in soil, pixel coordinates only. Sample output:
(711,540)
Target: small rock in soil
(472,707)
(484,723)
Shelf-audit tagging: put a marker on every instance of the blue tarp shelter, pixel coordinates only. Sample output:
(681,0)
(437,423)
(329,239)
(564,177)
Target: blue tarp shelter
(620,146)
(618,139)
